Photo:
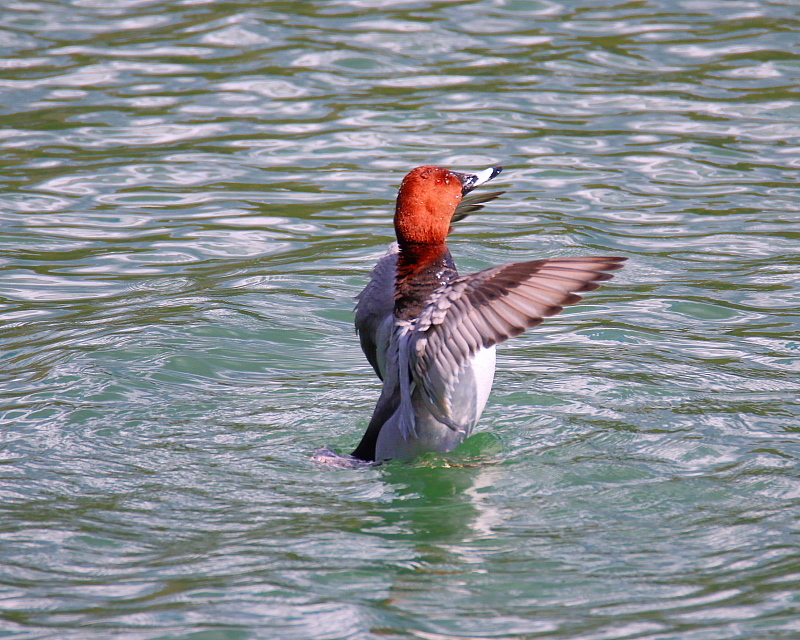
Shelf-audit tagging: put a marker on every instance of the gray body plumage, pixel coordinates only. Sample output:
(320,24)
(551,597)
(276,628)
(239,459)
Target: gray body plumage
(438,367)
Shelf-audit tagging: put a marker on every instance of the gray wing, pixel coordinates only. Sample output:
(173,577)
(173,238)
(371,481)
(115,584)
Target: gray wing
(472,203)
(487,308)
(375,308)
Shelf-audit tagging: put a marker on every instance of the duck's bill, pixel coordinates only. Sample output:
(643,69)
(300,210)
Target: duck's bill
(471,180)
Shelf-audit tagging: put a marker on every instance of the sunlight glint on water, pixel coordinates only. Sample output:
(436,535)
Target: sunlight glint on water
(194,192)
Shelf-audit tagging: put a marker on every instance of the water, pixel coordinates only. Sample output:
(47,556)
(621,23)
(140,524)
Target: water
(192,194)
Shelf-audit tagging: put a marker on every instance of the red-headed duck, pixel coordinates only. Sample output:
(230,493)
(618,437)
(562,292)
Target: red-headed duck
(430,334)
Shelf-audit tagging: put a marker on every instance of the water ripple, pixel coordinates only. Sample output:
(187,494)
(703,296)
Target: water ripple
(193,193)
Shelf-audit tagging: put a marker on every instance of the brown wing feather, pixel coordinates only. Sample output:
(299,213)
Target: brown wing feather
(472,203)
(488,307)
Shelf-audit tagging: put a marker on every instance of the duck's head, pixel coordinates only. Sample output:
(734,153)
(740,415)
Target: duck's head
(427,200)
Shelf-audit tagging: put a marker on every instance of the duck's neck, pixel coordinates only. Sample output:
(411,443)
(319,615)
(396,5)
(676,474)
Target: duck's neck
(421,269)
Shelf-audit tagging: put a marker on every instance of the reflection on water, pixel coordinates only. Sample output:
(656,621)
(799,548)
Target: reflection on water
(194,192)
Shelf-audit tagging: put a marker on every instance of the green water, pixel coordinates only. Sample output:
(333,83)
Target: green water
(192,194)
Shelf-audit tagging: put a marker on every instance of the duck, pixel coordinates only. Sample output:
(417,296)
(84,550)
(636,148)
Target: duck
(431,334)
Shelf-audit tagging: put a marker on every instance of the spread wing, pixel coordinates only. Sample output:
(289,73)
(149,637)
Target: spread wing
(473,202)
(375,307)
(487,308)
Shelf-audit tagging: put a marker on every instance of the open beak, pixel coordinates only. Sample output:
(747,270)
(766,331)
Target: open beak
(471,180)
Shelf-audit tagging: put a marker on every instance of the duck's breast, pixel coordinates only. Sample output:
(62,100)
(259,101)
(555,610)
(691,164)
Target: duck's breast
(468,397)
(471,389)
